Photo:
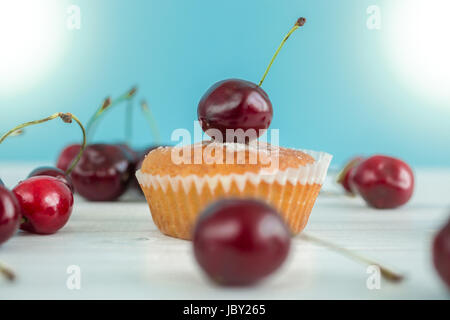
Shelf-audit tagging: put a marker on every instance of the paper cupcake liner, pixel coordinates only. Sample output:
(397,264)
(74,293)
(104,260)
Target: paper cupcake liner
(175,202)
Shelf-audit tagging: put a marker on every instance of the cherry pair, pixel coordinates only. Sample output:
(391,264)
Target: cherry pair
(383,182)
(43,202)
(105,171)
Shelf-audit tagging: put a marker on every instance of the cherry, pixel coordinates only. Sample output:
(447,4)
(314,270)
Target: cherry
(235,104)
(240,241)
(345,177)
(238,105)
(441,253)
(53,172)
(103,173)
(383,182)
(9,214)
(1,183)
(46,204)
(67,155)
(70,152)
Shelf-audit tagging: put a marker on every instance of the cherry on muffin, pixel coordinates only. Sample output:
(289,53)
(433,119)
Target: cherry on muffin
(38,213)
(238,104)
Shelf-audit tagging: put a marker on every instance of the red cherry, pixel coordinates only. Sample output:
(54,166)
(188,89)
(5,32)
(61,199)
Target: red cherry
(239,242)
(239,105)
(67,155)
(345,177)
(1,183)
(53,172)
(9,214)
(384,182)
(235,104)
(103,173)
(441,253)
(46,204)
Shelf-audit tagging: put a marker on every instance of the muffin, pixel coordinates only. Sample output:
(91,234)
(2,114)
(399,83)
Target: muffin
(179,182)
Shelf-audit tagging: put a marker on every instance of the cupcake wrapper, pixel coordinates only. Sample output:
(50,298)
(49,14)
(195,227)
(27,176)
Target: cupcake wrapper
(175,202)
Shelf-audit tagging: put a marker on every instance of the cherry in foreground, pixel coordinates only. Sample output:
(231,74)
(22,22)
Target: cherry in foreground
(240,242)
(441,253)
(383,182)
(9,214)
(46,204)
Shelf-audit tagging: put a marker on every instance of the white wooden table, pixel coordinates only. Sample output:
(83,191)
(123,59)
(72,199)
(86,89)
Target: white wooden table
(122,255)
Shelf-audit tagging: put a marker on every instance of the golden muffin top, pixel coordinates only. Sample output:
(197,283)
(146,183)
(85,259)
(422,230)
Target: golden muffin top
(211,158)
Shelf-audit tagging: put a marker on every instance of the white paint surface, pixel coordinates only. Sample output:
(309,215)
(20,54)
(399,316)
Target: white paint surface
(122,255)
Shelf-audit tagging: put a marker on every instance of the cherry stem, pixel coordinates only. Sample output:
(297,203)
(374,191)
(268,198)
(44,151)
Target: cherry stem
(106,105)
(7,272)
(387,274)
(129,122)
(299,23)
(151,121)
(65,117)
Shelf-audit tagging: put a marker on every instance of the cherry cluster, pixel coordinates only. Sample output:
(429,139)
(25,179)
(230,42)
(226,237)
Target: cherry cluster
(105,171)
(43,202)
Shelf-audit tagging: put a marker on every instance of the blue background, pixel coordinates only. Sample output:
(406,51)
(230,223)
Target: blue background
(332,86)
